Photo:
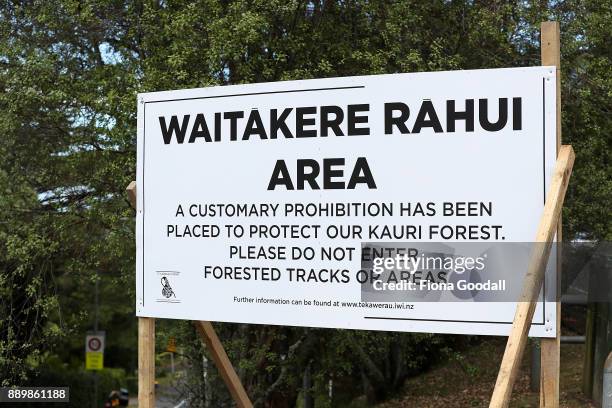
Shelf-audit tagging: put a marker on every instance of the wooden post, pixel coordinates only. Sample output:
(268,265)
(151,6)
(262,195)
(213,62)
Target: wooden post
(533,280)
(224,365)
(550,349)
(146,344)
(146,362)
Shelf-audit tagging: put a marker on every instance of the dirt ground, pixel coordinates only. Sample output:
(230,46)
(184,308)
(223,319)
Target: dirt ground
(467,380)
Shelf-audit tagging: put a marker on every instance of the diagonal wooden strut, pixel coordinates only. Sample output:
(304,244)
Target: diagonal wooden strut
(533,280)
(146,352)
(209,337)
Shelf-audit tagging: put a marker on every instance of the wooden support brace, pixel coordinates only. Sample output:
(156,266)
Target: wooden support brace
(533,280)
(146,343)
(146,362)
(209,337)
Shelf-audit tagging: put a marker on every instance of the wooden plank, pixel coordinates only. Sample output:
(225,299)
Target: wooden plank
(146,362)
(146,343)
(550,349)
(533,280)
(224,365)
(131,192)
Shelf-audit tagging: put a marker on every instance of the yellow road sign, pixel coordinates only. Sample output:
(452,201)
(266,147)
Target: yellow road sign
(171,347)
(94,360)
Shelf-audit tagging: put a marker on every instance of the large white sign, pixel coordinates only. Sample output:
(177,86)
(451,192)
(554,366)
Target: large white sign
(266,203)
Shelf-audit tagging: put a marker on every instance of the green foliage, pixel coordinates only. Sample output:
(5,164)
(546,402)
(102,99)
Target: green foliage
(69,74)
(68,152)
(81,383)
